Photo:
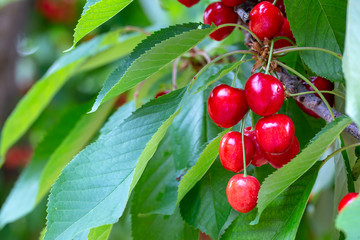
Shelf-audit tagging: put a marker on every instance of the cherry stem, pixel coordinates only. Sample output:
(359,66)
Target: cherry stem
(242,27)
(274,2)
(174,73)
(270,56)
(330,92)
(339,150)
(217,59)
(296,49)
(243,143)
(136,29)
(310,83)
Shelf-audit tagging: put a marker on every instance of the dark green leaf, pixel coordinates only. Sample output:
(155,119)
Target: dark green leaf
(206,206)
(319,23)
(150,56)
(94,188)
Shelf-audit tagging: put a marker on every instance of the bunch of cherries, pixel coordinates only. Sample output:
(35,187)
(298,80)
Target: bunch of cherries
(272,140)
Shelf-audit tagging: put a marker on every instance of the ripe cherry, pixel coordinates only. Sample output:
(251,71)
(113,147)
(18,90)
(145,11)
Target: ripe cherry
(232,3)
(18,157)
(280,5)
(277,160)
(266,20)
(284,32)
(59,11)
(231,151)
(264,93)
(323,85)
(346,200)
(219,14)
(227,105)
(188,3)
(161,93)
(259,158)
(275,133)
(242,192)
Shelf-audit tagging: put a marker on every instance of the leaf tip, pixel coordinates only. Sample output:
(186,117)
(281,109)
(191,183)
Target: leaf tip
(256,220)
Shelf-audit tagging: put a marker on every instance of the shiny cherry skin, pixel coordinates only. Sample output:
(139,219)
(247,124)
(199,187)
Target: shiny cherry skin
(188,3)
(323,85)
(231,151)
(275,133)
(219,14)
(264,93)
(259,157)
(278,160)
(284,32)
(346,200)
(280,5)
(227,105)
(242,192)
(232,3)
(266,20)
(161,93)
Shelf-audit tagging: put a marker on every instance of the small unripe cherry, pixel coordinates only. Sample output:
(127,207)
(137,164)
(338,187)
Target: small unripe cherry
(227,105)
(264,94)
(346,200)
(278,160)
(259,158)
(232,3)
(242,192)
(284,32)
(219,14)
(231,151)
(323,85)
(266,20)
(162,93)
(275,133)
(188,3)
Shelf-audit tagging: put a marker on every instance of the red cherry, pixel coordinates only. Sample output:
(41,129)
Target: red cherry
(277,160)
(275,133)
(17,157)
(242,192)
(161,93)
(346,200)
(259,158)
(323,85)
(204,236)
(264,93)
(284,32)
(231,151)
(232,3)
(227,105)
(280,5)
(188,3)
(219,14)
(266,20)
(121,100)
(60,11)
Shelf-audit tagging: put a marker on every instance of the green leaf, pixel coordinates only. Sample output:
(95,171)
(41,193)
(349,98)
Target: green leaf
(202,165)
(60,145)
(156,190)
(150,56)
(277,182)
(206,206)
(350,66)
(319,23)
(100,233)
(282,217)
(161,227)
(40,95)
(348,220)
(95,13)
(94,188)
